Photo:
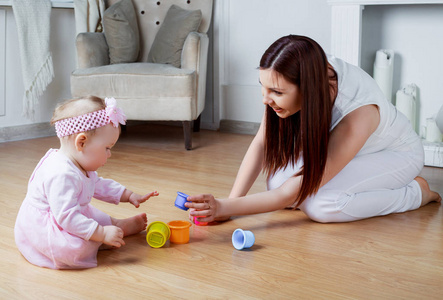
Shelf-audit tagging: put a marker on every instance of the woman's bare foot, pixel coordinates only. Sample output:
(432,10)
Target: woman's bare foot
(426,194)
(132,225)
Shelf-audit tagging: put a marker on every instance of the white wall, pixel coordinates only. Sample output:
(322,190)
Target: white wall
(63,54)
(415,33)
(242,30)
(2,60)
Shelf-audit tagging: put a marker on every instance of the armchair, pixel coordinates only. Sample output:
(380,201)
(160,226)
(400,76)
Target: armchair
(150,91)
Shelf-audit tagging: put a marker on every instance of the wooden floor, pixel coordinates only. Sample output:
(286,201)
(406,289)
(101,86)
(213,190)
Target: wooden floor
(393,257)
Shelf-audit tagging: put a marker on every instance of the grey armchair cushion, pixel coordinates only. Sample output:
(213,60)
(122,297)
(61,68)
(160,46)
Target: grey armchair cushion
(92,50)
(121,32)
(168,43)
(145,91)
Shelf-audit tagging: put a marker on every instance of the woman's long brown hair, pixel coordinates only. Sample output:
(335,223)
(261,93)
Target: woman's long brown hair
(301,61)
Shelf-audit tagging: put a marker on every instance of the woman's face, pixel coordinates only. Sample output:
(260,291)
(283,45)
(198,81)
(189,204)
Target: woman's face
(281,95)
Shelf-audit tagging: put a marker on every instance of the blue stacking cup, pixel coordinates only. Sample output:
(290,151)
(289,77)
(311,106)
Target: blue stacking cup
(181,200)
(242,239)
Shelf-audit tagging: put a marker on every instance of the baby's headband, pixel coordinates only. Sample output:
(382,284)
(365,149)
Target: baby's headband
(90,121)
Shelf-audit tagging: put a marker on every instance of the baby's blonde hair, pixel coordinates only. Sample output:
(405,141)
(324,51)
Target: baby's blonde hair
(77,107)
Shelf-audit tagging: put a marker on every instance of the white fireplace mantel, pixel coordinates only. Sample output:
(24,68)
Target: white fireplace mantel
(346,25)
(346,33)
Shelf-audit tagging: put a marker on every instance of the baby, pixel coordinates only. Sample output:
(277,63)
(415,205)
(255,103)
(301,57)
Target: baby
(56,226)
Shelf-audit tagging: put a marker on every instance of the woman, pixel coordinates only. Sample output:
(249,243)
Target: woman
(329,142)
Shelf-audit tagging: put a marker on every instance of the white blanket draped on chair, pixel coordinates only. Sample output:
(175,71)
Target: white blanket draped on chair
(33,27)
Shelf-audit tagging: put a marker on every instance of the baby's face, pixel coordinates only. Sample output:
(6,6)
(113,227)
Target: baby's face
(97,149)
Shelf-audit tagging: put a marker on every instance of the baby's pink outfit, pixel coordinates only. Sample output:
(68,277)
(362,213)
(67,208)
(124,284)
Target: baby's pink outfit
(56,219)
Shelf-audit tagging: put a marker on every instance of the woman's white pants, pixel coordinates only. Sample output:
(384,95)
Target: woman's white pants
(373,184)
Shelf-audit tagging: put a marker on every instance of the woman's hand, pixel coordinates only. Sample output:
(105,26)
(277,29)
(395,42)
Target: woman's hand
(218,219)
(203,206)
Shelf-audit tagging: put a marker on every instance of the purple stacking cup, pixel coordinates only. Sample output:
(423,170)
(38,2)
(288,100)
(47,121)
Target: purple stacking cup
(181,200)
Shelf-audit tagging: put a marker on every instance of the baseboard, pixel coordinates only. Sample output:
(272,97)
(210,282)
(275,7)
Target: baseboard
(32,131)
(209,126)
(203,125)
(433,154)
(240,127)
(26,132)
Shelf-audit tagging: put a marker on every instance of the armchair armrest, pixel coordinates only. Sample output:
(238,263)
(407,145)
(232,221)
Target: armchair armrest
(92,50)
(195,51)
(195,57)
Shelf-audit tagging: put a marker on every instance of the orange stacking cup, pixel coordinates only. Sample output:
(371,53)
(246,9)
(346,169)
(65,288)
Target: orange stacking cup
(179,232)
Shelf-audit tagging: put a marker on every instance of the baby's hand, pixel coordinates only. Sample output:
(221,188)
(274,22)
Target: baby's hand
(136,199)
(113,236)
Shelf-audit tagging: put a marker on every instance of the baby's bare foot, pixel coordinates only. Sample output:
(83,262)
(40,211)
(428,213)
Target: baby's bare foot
(426,194)
(133,224)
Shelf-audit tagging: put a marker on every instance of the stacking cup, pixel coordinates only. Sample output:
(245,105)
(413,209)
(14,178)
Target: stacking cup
(197,222)
(242,239)
(179,231)
(158,234)
(181,200)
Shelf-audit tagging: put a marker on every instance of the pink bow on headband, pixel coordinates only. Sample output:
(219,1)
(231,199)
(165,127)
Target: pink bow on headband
(114,113)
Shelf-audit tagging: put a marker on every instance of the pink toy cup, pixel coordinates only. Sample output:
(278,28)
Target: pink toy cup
(197,222)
